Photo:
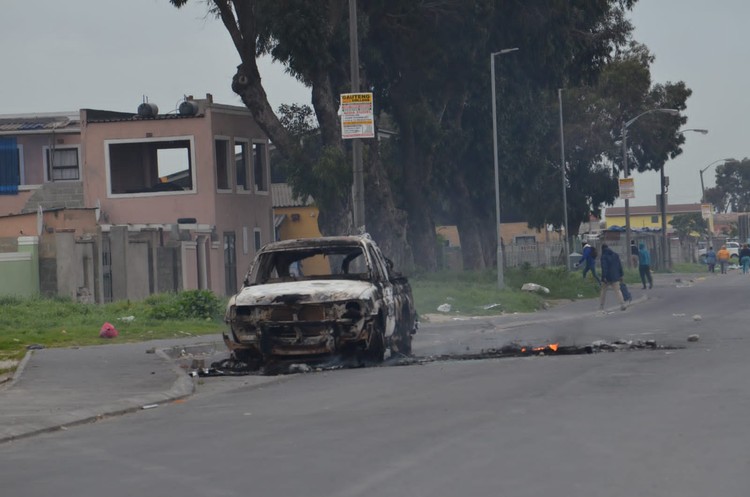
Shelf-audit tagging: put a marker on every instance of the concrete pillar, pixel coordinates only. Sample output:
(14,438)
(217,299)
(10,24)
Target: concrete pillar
(118,238)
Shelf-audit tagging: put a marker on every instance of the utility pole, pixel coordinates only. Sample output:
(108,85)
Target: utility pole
(358,186)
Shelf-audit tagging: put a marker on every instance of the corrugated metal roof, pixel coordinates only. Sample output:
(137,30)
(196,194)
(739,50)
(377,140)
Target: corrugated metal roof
(60,122)
(283,196)
(653,209)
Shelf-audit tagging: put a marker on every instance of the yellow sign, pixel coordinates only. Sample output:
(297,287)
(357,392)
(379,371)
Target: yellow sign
(627,188)
(357,119)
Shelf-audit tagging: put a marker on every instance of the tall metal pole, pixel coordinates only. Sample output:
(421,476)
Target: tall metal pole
(499,255)
(358,186)
(667,259)
(564,182)
(627,201)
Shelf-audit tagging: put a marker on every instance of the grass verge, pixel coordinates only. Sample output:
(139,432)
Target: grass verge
(475,293)
(63,322)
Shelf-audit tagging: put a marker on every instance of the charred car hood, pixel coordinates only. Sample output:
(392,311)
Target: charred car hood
(317,291)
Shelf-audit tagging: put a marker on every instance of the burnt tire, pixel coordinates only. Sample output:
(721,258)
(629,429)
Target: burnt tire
(252,360)
(375,348)
(400,343)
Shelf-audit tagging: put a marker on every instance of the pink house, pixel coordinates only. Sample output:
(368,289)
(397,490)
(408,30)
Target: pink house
(189,189)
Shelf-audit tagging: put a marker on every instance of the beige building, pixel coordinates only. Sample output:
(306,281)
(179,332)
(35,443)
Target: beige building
(194,184)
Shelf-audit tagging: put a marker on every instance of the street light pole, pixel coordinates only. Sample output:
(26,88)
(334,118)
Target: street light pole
(667,253)
(500,278)
(625,126)
(564,182)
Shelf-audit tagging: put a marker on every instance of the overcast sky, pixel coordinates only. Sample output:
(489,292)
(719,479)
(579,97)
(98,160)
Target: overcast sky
(110,54)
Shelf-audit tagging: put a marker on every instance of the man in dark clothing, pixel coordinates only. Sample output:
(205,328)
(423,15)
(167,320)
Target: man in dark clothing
(589,259)
(612,274)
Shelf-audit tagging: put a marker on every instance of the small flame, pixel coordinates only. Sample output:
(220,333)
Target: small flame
(553,346)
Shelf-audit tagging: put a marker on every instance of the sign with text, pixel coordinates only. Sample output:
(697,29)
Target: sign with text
(357,120)
(706,211)
(627,188)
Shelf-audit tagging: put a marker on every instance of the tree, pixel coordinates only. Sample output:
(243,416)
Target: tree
(311,39)
(689,226)
(427,63)
(732,186)
(717,198)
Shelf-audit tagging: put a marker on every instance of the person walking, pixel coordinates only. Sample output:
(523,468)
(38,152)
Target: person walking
(745,258)
(589,259)
(612,274)
(711,260)
(644,266)
(723,256)
(635,258)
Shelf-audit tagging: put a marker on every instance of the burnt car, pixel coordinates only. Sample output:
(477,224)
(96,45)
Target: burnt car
(320,297)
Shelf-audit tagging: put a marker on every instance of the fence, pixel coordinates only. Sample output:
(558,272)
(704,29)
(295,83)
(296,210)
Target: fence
(540,254)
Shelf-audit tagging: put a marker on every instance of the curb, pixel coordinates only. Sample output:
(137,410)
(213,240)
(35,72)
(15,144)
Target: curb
(182,387)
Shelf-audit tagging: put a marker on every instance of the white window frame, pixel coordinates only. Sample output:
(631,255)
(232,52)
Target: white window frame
(45,157)
(257,239)
(193,166)
(245,241)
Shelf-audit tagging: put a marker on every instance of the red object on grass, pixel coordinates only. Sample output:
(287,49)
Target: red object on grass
(108,331)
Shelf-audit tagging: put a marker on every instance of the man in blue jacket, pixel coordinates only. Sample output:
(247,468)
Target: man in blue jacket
(644,265)
(589,258)
(612,274)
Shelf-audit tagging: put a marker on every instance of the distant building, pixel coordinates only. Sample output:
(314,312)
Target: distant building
(648,216)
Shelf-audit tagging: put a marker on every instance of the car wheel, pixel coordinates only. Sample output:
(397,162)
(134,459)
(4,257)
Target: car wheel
(375,348)
(401,340)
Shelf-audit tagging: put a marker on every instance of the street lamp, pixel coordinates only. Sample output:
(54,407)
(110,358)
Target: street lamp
(625,126)
(667,252)
(500,279)
(703,195)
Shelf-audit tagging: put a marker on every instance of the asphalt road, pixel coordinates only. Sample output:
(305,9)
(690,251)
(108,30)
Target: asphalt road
(655,422)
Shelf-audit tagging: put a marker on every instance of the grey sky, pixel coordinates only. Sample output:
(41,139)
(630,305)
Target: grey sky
(108,54)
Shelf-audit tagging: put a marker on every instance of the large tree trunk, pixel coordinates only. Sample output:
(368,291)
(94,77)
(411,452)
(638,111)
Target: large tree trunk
(385,222)
(422,235)
(469,229)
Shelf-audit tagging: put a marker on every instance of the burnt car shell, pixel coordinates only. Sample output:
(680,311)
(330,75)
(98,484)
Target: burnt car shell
(288,308)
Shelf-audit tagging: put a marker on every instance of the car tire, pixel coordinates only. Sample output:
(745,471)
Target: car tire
(375,348)
(401,340)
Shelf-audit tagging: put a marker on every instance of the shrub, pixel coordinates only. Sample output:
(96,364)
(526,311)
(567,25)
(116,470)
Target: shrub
(190,304)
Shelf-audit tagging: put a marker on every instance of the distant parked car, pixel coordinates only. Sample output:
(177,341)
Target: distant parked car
(732,247)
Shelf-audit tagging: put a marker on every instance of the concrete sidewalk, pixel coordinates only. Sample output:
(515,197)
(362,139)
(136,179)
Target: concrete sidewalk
(55,388)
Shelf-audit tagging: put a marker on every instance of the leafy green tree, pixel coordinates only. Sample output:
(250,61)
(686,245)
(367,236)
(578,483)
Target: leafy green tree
(689,225)
(311,40)
(717,198)
(427,63)
(593,127)
(733,186)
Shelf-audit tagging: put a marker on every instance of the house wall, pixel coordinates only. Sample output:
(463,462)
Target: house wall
(227,211)
(19,270)
(306,225)
(639,221)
